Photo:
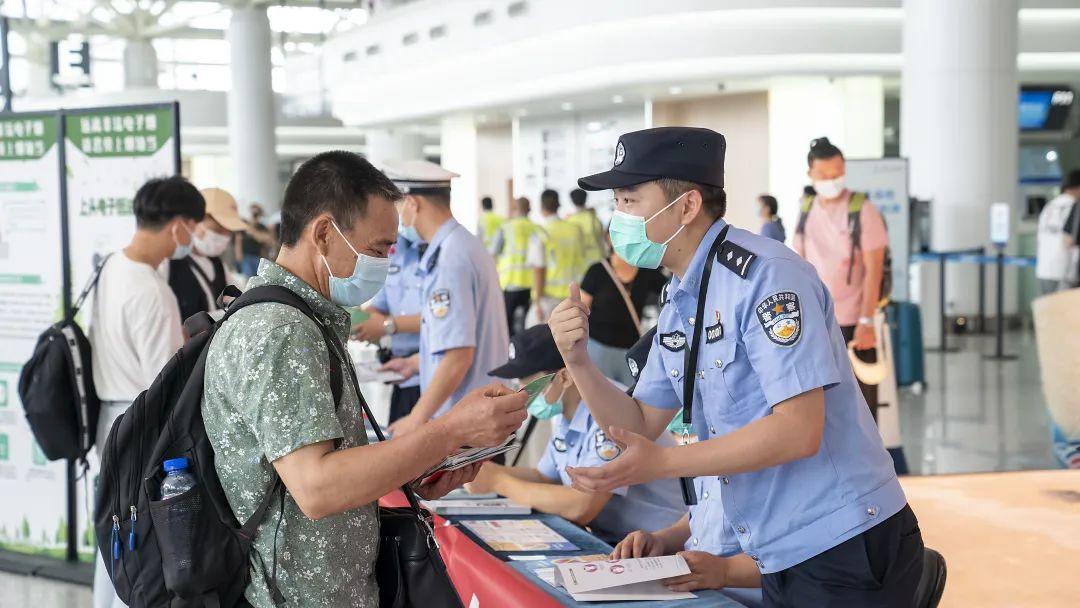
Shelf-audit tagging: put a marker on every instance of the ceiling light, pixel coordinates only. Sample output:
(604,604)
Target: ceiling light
(675,90)
(566,106)
(616,99)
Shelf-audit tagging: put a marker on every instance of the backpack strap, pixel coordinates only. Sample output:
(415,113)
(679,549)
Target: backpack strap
(90,286)
(804,210)
(854,210)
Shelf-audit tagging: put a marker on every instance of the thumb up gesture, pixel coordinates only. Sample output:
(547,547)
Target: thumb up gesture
(569,324)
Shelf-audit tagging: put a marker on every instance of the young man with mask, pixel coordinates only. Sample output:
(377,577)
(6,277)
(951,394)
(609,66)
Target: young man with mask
(135,321)
(267,398)
(748,341)
(851,270)
(462,331)
(198,279)
(577,441)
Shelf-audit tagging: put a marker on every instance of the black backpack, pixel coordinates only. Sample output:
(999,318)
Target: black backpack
(855,204)
(189,550)
(56,386)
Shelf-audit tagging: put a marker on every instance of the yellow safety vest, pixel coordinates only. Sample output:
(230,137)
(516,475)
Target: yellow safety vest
(490,222)
(563,247)
(513,263)
(593,234)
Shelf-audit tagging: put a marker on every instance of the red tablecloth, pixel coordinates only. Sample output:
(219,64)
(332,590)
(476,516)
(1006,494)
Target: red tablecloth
(480,578)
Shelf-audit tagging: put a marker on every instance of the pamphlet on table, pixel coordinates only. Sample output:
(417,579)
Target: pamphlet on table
(490,506)
(518,535)
(609,580)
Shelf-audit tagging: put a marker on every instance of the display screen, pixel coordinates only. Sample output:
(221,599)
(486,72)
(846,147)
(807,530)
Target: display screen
(1044,108)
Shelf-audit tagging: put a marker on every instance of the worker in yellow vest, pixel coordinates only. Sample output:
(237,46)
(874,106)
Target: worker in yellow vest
(490,223)
(595,243)
(564,246)
(519,252)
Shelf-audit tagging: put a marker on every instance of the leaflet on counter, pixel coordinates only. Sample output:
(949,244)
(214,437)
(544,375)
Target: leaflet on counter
(621,580)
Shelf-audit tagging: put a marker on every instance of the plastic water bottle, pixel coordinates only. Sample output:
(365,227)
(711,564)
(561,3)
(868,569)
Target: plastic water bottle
(177,478)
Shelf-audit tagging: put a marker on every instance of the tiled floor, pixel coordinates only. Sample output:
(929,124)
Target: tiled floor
(973,415)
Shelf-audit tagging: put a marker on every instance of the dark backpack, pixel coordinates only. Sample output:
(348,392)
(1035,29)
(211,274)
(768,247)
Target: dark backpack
(189,550)
(855,204)
(56,386)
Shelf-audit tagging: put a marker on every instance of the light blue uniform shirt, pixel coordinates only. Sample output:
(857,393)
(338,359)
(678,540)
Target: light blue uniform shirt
(579,442)
(462,307)
(401,296)
(770,335)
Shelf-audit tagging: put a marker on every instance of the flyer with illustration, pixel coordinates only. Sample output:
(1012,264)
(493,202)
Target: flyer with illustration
(637,579)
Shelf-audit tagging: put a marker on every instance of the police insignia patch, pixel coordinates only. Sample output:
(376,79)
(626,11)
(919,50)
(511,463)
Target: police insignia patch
(393,269)
(633,367)
(781,317)
(559,443)
(675,341)
(714,333)
(511,351)
(620,154)
(606,449)
(439,304)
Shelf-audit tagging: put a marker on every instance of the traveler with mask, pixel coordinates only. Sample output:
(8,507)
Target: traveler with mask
(842,234)
(578,441)
(519,251)
(267,398)
(198,279)
(135,321)
(395,312)
(748,345)
(771,225)
(463,322)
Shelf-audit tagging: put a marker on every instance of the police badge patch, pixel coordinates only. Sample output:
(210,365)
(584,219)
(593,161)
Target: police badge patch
(632,364)
(675,341)
(439,304)
(393,269)
(606,449)
(620,154)
(559,443)
(781,317)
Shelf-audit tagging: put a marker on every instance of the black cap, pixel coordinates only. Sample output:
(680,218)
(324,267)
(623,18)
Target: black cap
(531,351)
(638,354)
(684,153)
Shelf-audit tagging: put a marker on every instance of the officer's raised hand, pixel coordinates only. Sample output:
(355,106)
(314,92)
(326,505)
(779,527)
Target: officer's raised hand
(641,461)
(569,324)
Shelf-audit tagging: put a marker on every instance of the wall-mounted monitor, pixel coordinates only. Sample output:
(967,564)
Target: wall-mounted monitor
(1045,107)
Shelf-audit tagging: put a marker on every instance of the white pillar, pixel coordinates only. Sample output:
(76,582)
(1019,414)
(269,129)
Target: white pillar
(382,145)
(460,154)
(39,72)
(252,139)
(140,64)
(958,125)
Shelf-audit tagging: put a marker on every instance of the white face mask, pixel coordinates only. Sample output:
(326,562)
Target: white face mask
(829,188)
(211,244)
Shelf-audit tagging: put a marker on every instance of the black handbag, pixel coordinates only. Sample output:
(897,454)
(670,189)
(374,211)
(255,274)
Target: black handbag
(410,571)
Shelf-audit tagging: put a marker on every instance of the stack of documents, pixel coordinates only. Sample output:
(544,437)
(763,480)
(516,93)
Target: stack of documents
(466,456)
(490,506)
(620,580)
(519,535)
(368,371)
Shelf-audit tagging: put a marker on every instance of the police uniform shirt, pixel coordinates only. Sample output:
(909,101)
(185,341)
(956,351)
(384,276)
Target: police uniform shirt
(462,307)
(580,442)
(771,335)
(401,295)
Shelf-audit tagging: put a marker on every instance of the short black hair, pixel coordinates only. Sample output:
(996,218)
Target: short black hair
(578,196)
(338,182)
(549,201)
(713,198)
(1072,180)
(770,202)
(162,199)
(822,149)
(486,203)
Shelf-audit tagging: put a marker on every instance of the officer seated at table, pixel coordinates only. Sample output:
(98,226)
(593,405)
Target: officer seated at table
(577,441)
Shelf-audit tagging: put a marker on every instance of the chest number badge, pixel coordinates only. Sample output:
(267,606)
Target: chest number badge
(606,449)
(439,305)
(781,317)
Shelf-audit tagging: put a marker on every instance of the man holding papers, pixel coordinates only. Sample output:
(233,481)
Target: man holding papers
(748,345)
(577,441)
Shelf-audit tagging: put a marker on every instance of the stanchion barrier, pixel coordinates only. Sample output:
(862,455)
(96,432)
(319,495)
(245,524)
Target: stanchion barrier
(960,255)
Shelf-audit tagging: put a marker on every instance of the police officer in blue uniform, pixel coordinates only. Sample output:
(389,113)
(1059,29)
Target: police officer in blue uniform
(395,312)
(463,330)
(747,342)
(577,441)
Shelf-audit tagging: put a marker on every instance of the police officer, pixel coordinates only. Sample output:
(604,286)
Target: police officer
(463,329)
(395,312)
(577,441)
(747,340)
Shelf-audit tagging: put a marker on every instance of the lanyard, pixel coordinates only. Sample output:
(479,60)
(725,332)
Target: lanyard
(690,357)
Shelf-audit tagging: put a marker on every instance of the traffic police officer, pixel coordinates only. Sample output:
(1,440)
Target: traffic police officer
(747,339)
(463,329)
(395,312)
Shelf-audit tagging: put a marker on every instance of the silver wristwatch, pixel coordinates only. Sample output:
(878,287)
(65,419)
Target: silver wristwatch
(389,327)
(866,321)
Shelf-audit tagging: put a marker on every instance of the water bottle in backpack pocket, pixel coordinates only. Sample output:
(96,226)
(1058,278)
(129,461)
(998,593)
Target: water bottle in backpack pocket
(177,515)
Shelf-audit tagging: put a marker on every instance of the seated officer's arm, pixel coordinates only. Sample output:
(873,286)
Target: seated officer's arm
(407,324)
(548,496)
(448,375)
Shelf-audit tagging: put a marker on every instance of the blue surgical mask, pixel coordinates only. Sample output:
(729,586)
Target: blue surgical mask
(541,409)
(367,278)
(182,251)
(631,241)
(409,233)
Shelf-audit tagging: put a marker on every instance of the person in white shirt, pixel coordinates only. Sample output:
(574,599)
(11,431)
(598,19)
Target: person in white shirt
(199,279)
(135,322)
(1055,245)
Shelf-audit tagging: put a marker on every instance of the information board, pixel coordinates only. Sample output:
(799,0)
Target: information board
(885,181)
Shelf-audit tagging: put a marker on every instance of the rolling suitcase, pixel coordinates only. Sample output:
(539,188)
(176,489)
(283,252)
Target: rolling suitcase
(905,323)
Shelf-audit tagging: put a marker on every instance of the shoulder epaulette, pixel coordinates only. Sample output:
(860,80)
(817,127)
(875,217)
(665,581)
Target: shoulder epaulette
(735,258)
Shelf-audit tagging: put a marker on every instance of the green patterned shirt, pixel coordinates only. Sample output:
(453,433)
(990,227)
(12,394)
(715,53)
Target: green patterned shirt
(266,394)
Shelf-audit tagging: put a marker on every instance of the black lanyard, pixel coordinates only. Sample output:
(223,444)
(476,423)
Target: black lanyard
(690,356)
